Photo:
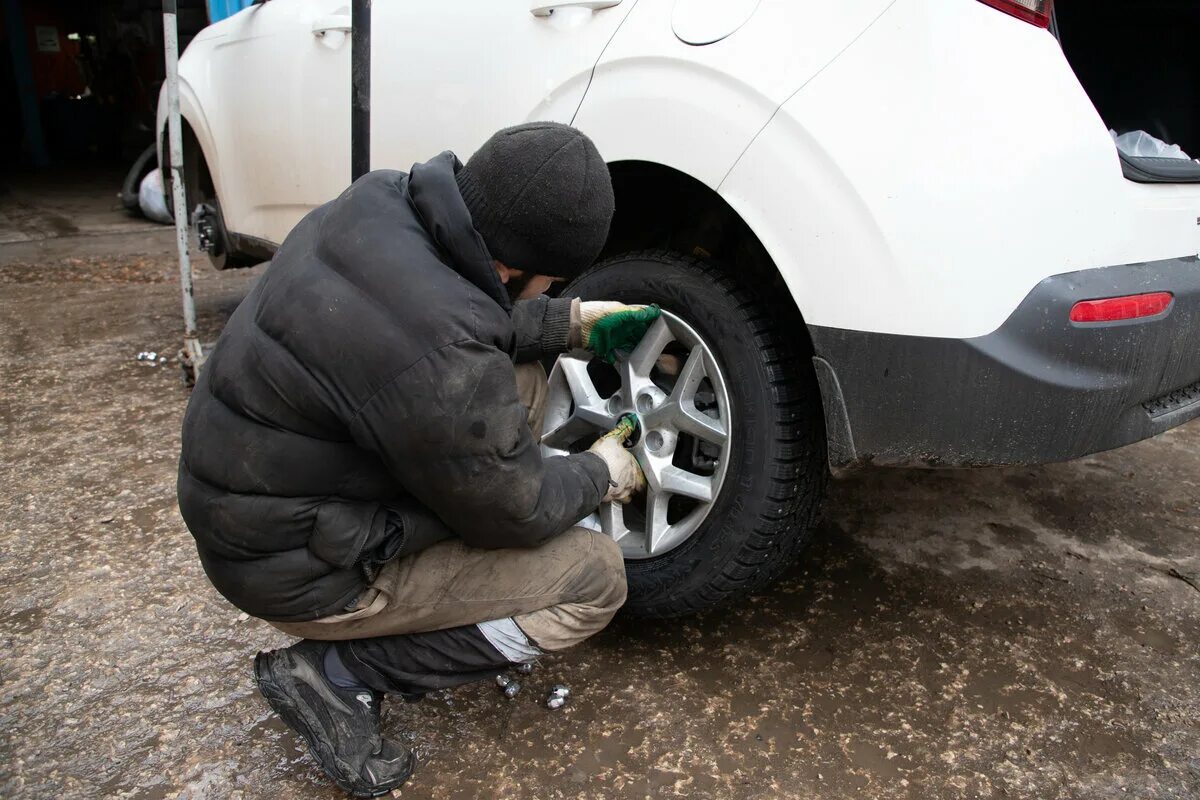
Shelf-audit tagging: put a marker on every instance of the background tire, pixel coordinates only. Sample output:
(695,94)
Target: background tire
(145,163)
(777,472)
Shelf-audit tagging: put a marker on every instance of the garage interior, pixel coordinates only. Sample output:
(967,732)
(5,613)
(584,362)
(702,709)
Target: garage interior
(79,80)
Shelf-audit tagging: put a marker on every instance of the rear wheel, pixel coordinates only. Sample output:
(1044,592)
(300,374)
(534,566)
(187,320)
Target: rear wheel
(203,207)
(732,439)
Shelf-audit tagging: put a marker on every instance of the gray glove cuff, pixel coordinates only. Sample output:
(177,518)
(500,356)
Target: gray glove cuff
(556,325)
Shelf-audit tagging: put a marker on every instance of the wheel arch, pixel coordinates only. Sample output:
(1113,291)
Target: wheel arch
(658,206)
(203,181)
(197,136)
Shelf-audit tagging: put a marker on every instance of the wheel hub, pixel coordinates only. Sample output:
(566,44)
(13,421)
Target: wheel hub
(672,383)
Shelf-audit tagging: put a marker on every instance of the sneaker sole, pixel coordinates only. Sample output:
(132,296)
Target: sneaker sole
(282,705)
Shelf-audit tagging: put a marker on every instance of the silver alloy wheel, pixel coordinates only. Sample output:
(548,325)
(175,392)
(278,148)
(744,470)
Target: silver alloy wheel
(674,385)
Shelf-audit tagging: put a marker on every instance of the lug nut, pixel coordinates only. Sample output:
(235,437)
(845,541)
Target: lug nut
(503,680)
(525,668)
(557,697)
(512,689)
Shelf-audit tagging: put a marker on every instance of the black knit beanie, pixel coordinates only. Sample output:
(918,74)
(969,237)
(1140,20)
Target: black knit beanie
(541,197)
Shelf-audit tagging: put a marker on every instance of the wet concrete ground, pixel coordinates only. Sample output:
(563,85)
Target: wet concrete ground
(1017,633)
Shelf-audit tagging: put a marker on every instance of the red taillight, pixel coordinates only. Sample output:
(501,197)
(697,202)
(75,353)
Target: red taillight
(1115,309)
(1036,12)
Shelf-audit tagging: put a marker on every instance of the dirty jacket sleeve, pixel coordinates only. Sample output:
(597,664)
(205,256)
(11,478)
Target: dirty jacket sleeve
(453,432)
(545,326)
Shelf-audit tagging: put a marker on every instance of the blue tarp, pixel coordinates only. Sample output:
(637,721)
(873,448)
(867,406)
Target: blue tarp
(220,9)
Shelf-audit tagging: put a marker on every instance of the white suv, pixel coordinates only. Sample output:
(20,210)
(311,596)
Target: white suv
(886,231)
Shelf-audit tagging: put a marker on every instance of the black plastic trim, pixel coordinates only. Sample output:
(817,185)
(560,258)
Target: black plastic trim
(1159,170)
(251,247)
(1038,389)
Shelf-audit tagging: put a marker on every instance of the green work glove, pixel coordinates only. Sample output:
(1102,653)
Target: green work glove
(611,330)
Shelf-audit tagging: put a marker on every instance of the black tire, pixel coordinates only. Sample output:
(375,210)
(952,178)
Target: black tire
(146,162)
(777,472)
(198,188)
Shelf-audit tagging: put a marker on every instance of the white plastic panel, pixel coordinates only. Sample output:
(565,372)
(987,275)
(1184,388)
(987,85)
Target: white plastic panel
(707,21)
(939,169)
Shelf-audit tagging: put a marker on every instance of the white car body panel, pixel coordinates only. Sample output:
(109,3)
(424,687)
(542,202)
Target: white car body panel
(912,166)
(448,81)
(289,137)
(275,126)
(935,211)
(655,98)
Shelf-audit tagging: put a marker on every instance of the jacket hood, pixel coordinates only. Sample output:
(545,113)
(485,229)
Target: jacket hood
(435,195)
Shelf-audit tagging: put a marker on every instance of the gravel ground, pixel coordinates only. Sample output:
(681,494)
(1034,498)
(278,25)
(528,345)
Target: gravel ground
(1025,633)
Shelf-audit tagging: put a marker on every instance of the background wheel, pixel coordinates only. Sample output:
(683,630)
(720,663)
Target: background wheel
(733,439)
(145,163)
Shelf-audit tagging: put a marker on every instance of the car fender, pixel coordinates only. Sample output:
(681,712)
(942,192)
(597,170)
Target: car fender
(191,106)
(807,213)
(697,109)
(694,118)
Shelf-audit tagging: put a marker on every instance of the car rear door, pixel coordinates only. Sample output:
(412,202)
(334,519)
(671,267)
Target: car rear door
(282,73)
(445,79)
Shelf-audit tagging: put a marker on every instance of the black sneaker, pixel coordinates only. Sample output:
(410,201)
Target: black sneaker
(341,726)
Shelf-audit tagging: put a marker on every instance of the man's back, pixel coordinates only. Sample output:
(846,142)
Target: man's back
(271,471)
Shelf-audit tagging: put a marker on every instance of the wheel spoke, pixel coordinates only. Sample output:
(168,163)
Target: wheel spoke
(656,520)
(680,410)
(690,376)
(583,391)
(612,521)
(566,433)
(589,413)
(653,467)
(644,356)
(690,419)
(678,481)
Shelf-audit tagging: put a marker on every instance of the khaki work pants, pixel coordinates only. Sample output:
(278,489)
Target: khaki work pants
(559,594)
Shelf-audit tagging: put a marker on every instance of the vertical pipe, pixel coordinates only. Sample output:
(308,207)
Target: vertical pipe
(31,116)
(193,354)
(360,89)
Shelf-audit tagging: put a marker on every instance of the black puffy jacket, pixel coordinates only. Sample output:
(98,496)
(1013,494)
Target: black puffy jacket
(367,378)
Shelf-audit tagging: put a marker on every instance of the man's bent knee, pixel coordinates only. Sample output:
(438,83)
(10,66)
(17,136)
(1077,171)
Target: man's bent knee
(595,593)
(601,582)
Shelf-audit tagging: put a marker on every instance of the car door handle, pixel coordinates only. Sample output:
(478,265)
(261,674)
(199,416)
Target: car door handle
(333,22)
(544,8)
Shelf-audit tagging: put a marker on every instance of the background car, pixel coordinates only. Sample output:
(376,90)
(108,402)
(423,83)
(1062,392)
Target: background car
(892,232)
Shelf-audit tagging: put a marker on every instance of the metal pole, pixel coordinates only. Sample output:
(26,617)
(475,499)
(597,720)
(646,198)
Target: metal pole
(193,355)
(360,89)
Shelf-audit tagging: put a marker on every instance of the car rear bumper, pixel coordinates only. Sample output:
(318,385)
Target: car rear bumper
(1038,389)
